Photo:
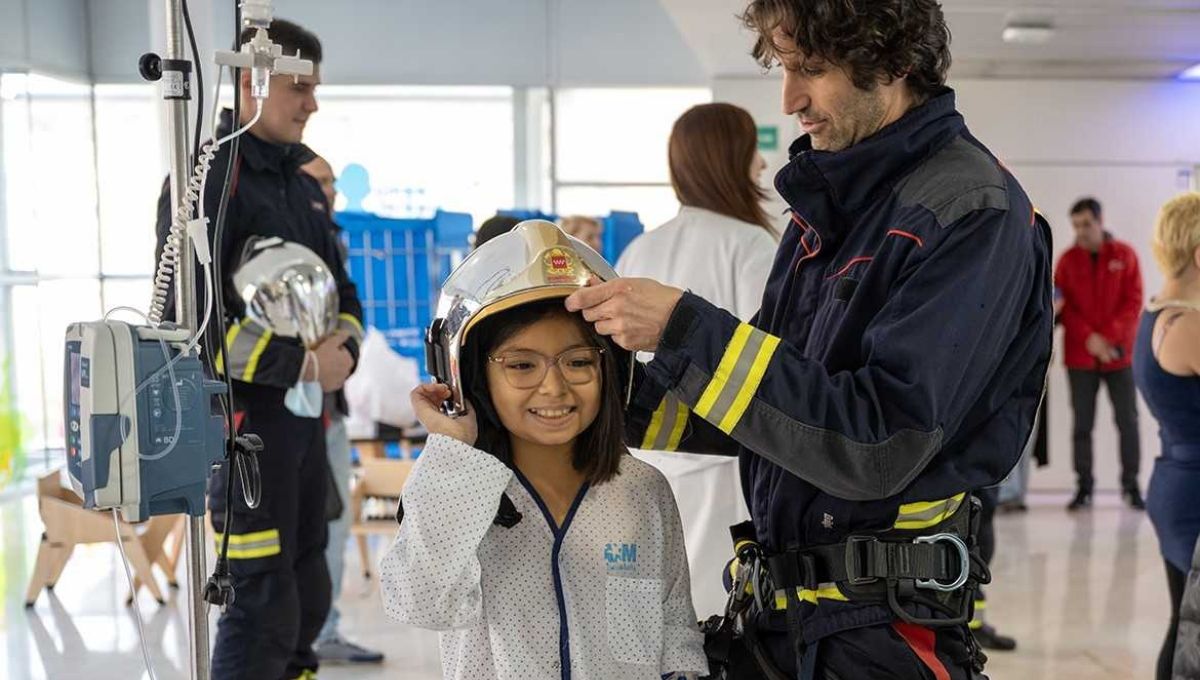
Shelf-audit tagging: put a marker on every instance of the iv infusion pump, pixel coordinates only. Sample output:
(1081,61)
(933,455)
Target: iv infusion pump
(141,434)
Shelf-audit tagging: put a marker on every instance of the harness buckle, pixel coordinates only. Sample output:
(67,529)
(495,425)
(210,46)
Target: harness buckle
(964,558)
(856,569)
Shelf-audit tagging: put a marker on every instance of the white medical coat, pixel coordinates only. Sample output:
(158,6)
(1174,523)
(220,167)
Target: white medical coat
(606,596)
(723,260)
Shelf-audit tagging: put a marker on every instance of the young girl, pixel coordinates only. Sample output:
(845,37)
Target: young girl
(591,582)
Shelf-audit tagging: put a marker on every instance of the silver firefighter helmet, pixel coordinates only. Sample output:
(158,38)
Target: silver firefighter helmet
(287,288)
(533,262)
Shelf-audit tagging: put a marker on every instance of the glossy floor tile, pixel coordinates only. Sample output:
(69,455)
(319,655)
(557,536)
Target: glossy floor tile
(1084,595)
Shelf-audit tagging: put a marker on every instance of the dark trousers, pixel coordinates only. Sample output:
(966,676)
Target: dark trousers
(1123,395)
(277,552)
(877,652)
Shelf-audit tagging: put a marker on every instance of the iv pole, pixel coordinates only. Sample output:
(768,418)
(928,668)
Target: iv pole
(185,317)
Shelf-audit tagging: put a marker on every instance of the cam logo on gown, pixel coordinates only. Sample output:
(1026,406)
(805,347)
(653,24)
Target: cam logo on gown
(621,556)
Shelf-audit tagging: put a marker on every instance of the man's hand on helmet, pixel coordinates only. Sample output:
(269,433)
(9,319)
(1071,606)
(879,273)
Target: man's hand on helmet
(427,402)
(333,364)
(633,312)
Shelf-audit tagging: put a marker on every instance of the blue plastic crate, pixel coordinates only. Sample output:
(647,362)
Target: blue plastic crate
(620,228)
(398,266)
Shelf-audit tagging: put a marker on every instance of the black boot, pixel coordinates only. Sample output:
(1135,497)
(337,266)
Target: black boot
(1134,498)
(1082,499)
(988,638)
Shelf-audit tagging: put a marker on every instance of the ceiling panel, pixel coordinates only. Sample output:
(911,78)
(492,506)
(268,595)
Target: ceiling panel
(1093,38)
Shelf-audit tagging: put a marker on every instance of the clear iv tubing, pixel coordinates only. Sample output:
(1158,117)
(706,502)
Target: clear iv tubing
(169,260)
(169,368)
(133,594)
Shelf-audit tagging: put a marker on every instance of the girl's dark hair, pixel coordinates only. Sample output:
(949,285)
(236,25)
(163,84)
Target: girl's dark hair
(710,152)
(599,448)
(871,39)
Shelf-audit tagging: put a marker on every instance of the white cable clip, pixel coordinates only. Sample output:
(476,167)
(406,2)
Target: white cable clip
(197,230)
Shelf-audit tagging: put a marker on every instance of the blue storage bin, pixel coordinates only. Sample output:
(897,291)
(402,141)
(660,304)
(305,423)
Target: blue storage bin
(398,266)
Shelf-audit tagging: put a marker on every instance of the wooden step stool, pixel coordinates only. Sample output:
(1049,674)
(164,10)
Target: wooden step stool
(68,524)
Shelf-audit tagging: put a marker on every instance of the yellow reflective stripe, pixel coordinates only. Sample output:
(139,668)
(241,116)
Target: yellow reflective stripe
(925,514)
(656,422)
(753,380)
(253,553)
(230,336)
(924,506)
(681,418)
(733,567)
(255,537)
(252,545)
(979,615)
(827,591)
(353,321)
(255,354)
(724,370)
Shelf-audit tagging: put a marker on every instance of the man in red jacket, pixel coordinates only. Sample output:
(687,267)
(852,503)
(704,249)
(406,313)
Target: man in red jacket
(1099,289)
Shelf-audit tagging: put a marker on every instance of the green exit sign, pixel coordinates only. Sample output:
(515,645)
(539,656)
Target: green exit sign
(768,138)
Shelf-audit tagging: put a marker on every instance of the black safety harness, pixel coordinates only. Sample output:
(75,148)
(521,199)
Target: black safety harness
(925,577)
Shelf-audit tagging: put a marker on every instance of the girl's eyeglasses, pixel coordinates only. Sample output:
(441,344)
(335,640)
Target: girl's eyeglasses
(526,369)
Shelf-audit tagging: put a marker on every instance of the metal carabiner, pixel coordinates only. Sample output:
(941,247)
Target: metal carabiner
(964,557)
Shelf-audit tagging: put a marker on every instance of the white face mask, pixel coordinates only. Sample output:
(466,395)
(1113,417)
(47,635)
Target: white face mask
(305,399)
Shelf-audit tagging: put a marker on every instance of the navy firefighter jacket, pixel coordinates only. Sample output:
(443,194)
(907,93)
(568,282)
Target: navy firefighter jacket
(900,352)
(268,197)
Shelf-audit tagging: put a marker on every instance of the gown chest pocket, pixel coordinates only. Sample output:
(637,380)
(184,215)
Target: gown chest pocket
(635,619)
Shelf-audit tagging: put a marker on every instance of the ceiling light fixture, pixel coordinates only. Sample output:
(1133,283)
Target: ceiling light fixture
(1028,33)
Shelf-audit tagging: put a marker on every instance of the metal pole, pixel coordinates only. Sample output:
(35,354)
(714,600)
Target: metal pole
(197,568)
(186,317)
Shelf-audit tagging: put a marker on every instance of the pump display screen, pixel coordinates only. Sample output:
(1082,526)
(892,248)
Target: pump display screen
(74,383)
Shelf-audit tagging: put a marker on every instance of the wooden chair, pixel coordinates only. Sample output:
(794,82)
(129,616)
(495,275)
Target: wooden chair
(163,540)
(68,525)
(376,477)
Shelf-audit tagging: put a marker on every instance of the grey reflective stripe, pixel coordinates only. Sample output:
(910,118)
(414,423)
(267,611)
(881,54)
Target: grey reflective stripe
(268,543)
(737,378)
(937,510)
(829,460)
(242,348)
(673,409)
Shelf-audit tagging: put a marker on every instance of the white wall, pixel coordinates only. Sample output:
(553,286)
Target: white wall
(50,36)
(1132,144)
(444,42)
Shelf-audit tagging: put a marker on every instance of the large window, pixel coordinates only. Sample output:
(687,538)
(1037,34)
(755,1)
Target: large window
(82,168)
(423,148)
(610,149)
(50,273)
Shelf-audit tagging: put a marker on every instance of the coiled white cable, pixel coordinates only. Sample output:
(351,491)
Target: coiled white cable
(168,261)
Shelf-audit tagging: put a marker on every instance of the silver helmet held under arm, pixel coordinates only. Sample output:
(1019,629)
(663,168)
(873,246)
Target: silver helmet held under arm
(287,288)
(533,262)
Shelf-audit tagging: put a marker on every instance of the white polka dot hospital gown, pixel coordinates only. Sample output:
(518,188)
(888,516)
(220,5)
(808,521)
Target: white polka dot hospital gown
(605,597)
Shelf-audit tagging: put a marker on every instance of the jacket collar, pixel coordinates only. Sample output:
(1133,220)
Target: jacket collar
(844,180)
(261,155)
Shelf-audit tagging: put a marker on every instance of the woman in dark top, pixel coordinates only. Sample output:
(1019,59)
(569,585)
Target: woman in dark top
(1166,367)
